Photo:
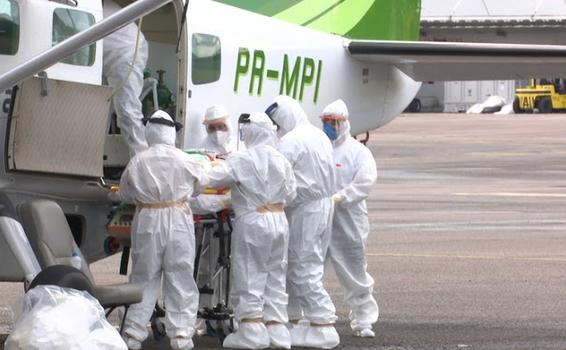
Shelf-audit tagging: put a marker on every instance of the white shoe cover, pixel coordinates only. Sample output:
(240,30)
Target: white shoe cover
(279,336)
(297,332)
(321,337)
(132,343)
(250,335)
(364,333)
(182,344)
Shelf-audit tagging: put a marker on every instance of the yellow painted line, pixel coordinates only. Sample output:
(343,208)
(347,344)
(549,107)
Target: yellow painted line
(511,194)
(466,257)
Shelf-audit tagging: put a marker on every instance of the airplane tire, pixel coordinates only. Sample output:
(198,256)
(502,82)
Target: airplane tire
(414,107)
(545,105)
(517,106)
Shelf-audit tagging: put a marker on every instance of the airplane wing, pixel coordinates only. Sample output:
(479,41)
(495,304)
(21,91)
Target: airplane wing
(437,61)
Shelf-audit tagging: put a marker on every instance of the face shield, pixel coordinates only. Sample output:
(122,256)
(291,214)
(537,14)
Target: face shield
(269,111)
(334,118)
(242,120)
(332,128)
(256,129)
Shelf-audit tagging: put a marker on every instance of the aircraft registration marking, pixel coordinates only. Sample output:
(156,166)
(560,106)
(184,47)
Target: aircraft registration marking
(296,76)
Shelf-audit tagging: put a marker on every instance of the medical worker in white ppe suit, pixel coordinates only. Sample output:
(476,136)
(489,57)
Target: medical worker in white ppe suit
(356,175)
(262,182)
(310,217)
(218,131)
(119,49)
(220,143)
(159,180)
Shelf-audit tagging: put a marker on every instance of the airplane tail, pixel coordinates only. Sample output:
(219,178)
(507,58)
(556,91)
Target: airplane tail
(354,19)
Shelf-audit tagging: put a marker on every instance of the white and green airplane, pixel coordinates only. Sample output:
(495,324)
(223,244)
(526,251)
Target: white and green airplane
(240,53)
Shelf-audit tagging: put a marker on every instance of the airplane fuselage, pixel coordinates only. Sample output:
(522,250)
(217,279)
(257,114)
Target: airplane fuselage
(227,55)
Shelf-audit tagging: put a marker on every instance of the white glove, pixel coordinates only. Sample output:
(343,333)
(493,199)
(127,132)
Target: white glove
(337,198)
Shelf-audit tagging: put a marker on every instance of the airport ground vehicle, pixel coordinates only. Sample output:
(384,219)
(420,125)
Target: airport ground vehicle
(543,95)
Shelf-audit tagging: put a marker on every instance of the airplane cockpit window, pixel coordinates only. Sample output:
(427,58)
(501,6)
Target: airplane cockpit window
(206,58)
(66,23)
(9,27)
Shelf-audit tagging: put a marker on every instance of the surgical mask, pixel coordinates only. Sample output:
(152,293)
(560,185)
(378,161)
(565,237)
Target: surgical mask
(220,137)
(330,131)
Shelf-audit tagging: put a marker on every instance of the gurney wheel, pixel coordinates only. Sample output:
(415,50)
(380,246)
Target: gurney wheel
(219,329)
(158,328)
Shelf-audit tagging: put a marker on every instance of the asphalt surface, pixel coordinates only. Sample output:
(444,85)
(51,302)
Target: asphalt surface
(468,238)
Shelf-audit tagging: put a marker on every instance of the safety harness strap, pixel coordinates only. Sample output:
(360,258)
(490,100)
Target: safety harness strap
(270,208)
(251,320)
(162,205)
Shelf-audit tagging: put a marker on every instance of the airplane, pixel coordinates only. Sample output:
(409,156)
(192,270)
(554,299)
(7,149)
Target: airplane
(242,54)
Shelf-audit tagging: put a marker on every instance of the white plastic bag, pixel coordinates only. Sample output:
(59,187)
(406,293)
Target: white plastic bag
(62,318)
(507,109)
(475,109)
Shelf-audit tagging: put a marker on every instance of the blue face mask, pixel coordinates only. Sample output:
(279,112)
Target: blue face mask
(330,131)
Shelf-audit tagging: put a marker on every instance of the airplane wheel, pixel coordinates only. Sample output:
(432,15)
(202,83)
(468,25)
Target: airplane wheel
(545,105)
(415,106)
(517,106)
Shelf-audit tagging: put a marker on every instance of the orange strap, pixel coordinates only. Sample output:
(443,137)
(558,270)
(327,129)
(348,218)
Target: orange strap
(251,320)
(322,324)
(162,205)
(270,208)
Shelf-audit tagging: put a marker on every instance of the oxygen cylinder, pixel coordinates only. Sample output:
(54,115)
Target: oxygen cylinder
(164,94)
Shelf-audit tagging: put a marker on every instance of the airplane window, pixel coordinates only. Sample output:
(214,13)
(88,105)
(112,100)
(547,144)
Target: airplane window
(66,23)
(9,27)
(206,58)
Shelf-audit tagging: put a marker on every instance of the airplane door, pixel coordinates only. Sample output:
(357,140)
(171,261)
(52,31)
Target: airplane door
(58,127)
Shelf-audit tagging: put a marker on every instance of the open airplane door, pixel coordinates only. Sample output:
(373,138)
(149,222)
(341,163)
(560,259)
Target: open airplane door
(58,127)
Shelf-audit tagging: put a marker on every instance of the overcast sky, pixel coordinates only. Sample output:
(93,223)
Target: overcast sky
(465,8)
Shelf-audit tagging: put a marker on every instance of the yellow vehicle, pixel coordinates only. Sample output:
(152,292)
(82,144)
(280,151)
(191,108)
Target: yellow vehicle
(545,95)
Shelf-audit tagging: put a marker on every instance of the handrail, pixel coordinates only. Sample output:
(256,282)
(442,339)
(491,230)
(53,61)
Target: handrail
(86,37)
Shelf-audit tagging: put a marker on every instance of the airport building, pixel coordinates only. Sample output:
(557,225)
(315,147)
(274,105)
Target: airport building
(496,21)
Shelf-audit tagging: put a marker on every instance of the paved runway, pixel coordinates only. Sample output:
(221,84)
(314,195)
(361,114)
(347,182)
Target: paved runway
(468,240)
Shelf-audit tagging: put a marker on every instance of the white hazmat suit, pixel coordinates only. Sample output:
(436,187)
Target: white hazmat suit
(118,52)
(357,174)
(310,153)
(220,142)
(159,181)
(262,182)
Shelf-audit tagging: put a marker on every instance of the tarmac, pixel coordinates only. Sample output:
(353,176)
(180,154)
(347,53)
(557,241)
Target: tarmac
(468,236)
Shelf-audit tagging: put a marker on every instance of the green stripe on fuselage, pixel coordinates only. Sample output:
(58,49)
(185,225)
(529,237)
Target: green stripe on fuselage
(263,7)
(398,20)
(355,19)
